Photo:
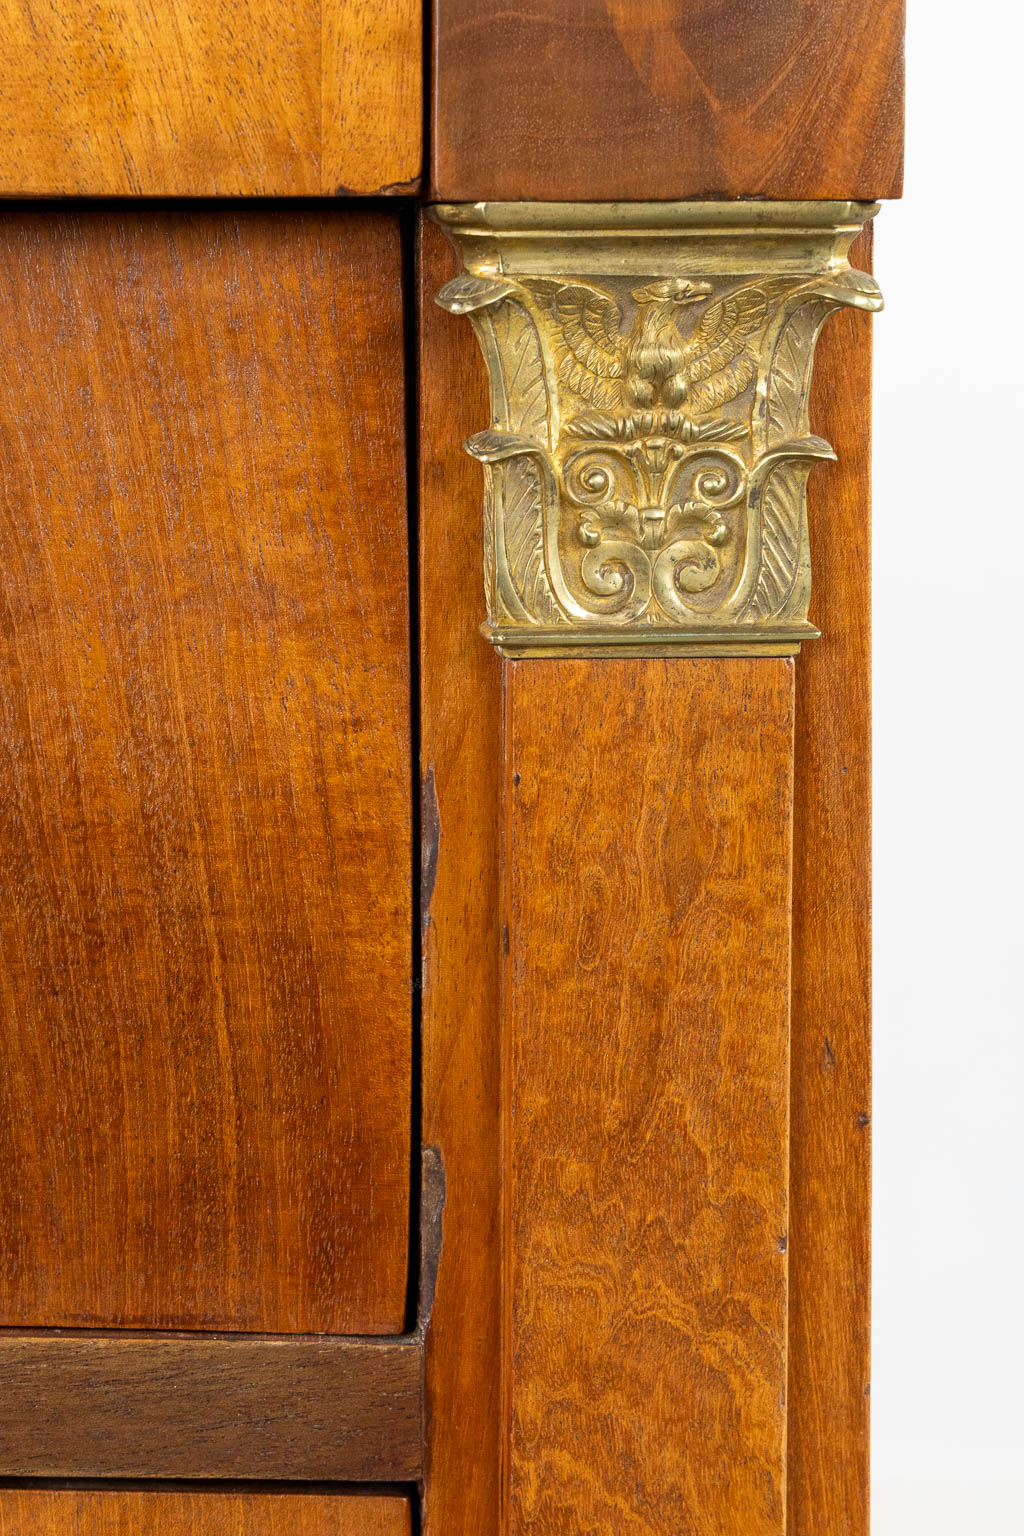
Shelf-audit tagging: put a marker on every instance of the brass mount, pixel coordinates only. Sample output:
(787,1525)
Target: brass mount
(647,459)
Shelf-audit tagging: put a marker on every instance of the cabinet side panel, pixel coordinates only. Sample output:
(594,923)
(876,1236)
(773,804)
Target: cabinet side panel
(205,856)
(830,1265)
(613,99)
(646,1019)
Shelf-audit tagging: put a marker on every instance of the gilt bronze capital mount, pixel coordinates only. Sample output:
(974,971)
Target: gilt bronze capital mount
(647,459)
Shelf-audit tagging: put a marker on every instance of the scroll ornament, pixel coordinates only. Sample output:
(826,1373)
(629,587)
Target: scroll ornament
(647,460)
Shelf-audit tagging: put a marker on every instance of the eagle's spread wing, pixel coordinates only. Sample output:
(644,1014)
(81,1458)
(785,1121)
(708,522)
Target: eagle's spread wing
(591,358)
(719,363)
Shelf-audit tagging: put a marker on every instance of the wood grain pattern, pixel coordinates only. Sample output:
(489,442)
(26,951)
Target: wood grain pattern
(460,685)
(646,1015)
(830,1264)
(66,1512)
(204,771)
(204,97)
(372,96)
(638,99)
(194,1406)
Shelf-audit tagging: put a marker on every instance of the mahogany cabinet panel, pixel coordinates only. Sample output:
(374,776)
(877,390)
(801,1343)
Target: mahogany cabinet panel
(651,99)
(205,766)
(198,97)
(45,1512)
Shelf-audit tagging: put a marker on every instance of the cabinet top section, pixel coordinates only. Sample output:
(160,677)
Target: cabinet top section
(611,99)
(598,100)
(201,98)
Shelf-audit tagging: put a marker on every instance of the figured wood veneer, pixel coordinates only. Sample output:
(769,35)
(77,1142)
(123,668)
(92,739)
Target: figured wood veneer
(648,822)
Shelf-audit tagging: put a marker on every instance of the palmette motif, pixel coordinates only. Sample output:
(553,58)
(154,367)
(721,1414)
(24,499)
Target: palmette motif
(647,460)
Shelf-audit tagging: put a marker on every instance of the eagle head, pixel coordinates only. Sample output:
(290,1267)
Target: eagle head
(677,290)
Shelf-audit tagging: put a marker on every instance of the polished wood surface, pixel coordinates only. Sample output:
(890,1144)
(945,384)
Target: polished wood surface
(830,1156)
(67,1512)
(649,99)
(460,683)
(133,1405)
(371,107)
(204,771)
(151,97)
(645,1015)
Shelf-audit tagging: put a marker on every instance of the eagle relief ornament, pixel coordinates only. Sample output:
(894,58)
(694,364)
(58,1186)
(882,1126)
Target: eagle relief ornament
(647,459)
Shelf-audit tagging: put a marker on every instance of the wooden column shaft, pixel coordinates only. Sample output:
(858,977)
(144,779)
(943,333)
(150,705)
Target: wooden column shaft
(614,843)
(647,815)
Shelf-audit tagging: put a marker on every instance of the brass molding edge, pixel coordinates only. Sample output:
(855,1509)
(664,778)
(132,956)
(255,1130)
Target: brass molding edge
(646,464)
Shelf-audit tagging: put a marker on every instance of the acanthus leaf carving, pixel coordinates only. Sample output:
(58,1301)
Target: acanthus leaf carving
(649,450)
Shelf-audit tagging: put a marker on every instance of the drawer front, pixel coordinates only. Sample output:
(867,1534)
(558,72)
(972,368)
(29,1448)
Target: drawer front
(44,1512)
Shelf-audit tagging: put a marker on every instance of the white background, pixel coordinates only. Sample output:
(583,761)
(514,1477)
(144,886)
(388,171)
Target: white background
(948,1375)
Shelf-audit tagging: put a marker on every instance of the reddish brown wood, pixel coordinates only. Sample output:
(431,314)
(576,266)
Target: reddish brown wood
(634,99)
(136,1405)
(59,1512)
(830,1165)
(204,771)
(645,1015)
(461,765)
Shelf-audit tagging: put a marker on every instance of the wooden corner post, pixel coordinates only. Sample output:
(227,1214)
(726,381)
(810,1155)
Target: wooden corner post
(646,1033)
(647,569)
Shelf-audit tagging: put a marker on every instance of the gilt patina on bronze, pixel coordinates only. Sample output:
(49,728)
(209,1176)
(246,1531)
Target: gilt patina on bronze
(647,460)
